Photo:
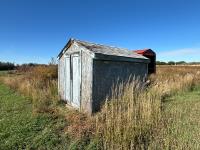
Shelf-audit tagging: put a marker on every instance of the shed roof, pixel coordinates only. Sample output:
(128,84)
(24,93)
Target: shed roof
(104,49)
(146,51)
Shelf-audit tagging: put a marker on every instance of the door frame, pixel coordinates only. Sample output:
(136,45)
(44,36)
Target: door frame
(65,78)
(70,101)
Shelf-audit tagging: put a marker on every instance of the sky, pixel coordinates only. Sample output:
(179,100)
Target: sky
(37,30)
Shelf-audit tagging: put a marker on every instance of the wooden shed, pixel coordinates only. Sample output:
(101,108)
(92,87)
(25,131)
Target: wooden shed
(87,72)
(149,53)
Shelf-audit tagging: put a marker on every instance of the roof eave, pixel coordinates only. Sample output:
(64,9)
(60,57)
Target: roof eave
(69,43)
(99,56)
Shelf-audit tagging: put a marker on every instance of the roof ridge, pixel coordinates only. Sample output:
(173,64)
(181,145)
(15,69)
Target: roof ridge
(120,50)
(103,49)
(100,44)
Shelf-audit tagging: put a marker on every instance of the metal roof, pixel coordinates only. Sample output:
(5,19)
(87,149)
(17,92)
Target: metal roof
(103,49)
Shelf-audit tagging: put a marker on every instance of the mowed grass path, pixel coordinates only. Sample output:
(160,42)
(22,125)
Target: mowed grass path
(20,129)
(182,115)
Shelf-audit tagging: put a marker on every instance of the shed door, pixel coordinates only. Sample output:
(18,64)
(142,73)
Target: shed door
(67,79)
(75,80)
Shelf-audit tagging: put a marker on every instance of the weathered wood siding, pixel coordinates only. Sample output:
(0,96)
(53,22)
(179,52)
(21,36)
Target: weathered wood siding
(75,82)
(87,77)
(64,75)
(61,77)
(108,73)
(67,78)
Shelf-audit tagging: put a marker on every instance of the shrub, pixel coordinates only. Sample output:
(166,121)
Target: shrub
(45,72)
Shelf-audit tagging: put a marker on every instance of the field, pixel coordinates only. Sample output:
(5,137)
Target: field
(163,116)
(20,129)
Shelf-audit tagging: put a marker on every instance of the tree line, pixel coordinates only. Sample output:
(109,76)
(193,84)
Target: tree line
(177,63)
(7,66)
(25,66)
(12,66)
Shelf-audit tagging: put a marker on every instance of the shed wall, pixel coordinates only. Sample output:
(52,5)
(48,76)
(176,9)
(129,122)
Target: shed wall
(86,85)
(61,77)
(107,74)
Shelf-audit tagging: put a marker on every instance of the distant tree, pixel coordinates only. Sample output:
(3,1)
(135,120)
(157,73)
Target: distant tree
(27,67)
(181,62)
(7,66)
(171,63)
(194,63)
(53,61)
(161,63)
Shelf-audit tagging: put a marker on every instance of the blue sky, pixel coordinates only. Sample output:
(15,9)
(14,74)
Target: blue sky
(36,30)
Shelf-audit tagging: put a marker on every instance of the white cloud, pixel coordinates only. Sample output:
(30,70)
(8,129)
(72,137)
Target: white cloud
(180,52)
(186,54)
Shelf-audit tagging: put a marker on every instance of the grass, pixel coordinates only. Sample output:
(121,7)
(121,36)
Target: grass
(3,72)
(186,124)
(182,125)
(41,88)
(126,120)
(20,129)
(131,119)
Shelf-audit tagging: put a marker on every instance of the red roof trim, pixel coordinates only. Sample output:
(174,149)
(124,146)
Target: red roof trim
(144,52)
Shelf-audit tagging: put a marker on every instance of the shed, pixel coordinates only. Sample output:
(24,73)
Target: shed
(88,71)
(149,53)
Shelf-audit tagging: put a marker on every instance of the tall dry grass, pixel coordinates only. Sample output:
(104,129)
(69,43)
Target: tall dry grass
(129,120)
(126,119)
(176,116)
(174,79)
(38,83)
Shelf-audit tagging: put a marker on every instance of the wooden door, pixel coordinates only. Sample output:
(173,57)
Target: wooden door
(75,80)
(67,80)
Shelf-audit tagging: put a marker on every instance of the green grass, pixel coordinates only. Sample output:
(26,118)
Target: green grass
(185,112)
(20,129)
(181,115)
(3,72)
